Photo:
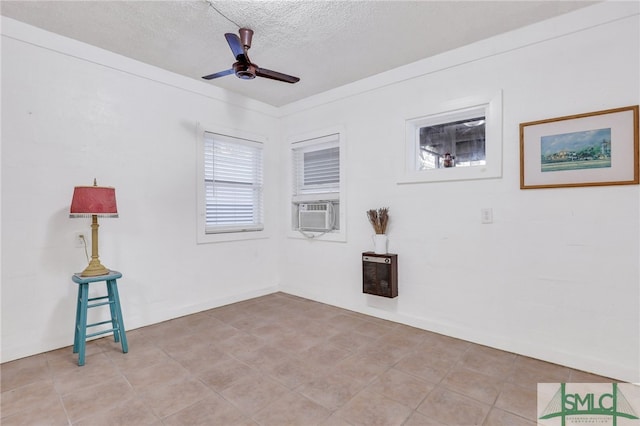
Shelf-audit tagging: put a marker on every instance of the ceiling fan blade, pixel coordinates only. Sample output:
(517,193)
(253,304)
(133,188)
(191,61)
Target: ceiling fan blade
(274,75)
(236,46)
(219,74)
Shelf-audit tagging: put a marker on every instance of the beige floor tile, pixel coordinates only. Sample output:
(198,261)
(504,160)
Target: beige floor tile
(67,362)
(69,377)
(331,391)
(518,400)
(418,419)
(455,347)
(181,344)
(15,374)
(23,399)
(229,313)
(352,321)
(213,410)
(371,408)
(374,329)
(173,396)
(131,412)
(195,322)
(238,342)
(407,332)
(361,368)
(155,375)
(164,331)
(65,351)
(216,332)
(319,330)
(248,323)
(295,342)
(473,384)
(199,358)
(453,409)
(334,420)
(137,358)
(402,387)
(325,354)
(100,397)
(425,366)
(528,372)
(135,340)
(262,357)
(292,409)
(279,359)
(403,339)
(254,392)
(349,340)
(296,371)
(498,417)
(386,353)
(269,330)
(489,361)
(49,412)
(224,374)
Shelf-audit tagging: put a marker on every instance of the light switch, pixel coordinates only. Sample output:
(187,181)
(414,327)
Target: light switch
(486,215)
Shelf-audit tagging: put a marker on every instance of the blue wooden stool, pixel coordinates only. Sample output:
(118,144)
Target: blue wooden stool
(112,299)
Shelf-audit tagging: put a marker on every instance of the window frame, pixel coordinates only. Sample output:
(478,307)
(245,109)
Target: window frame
(226,233)
(321,139)
(300,189)
(454,111)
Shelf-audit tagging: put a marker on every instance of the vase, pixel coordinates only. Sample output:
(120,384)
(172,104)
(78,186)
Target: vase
(380,243)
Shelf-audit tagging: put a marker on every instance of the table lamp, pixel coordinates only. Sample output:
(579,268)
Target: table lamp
(94,201)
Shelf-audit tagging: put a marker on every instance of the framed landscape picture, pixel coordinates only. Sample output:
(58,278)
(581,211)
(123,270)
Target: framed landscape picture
(596,148)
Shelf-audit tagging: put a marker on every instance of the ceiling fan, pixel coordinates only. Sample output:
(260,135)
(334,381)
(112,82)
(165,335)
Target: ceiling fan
(244,68)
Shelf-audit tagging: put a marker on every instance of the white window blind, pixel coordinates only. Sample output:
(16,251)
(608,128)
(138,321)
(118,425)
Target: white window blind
(316,166)
(233,184)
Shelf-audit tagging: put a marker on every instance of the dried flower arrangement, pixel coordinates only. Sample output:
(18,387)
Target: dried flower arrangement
(379,219)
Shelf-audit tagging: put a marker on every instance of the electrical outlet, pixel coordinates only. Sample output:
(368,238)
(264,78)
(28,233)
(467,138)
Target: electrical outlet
(486,215)
(80,239)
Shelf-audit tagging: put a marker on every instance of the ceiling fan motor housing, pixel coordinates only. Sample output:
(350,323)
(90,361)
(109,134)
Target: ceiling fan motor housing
(244,71)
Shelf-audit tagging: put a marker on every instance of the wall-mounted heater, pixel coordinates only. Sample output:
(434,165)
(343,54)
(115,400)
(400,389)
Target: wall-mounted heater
(315,216)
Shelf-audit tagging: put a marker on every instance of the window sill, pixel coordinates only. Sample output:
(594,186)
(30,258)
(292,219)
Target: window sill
(339,237)
(451,174)
(232,236)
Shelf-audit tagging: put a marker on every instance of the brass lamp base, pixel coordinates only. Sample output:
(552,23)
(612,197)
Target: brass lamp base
(94,269)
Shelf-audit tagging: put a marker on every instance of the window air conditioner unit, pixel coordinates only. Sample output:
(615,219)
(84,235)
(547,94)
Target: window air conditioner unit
(315,216)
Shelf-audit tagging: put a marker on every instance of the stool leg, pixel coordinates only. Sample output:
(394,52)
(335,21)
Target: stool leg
(123,335)
(114,315)
(82,324)
(76,335)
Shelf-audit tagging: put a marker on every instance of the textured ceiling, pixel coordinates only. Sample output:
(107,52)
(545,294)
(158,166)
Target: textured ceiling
(325,43)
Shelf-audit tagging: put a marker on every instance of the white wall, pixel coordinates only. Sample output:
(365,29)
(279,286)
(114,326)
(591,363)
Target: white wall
(556,276)
(71,112)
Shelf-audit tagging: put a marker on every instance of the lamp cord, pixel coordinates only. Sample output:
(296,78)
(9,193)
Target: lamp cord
(222,14)
(86,253)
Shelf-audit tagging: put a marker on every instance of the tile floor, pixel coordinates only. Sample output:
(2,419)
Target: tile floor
(278,360)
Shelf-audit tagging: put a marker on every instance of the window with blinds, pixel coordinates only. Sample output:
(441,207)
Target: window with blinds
(316,166)
(233,184)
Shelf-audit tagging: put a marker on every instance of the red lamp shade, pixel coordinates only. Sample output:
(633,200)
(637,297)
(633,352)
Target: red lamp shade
(94,200)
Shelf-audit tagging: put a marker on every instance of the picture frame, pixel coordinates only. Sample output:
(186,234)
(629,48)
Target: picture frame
(591,149)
